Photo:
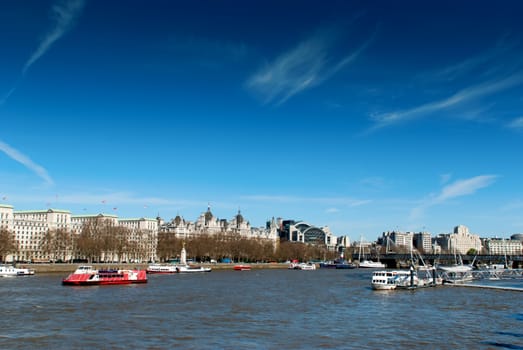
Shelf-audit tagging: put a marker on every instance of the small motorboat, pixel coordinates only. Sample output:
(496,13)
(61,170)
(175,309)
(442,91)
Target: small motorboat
(242,267)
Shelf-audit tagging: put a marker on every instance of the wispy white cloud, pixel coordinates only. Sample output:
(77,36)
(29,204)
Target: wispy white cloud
(332,210)
(483,63)
(26,161)
(115,198)
(347,201)
(444,178)
(102,197)
(458,188)
(514,205)
(465,187)
(65,15)
(307,65)
(516,124)
(461,97)
(374,183)
(6,96)
(463,67)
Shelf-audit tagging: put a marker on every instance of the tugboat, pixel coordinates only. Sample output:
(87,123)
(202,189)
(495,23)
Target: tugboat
(87,276)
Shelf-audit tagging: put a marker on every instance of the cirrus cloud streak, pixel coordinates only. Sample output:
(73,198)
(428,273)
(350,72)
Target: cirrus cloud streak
(307,65)
(455,189)
(26,161)
(65,14)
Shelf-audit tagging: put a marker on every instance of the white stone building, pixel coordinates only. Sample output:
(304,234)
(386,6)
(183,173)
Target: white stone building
(268,233)
(207,223)
(143,232)
(423,241)
(6,217)
(79,221)
(498,246)
(31,226)
(460,242)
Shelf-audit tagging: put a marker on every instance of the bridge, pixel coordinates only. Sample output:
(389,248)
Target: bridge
(393,260)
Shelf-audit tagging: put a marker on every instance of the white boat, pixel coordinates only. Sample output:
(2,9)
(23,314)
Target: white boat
(372,264)
(302,266)
(191,269)
(458,267)
(455,268)
(182,267)
(161,269)
(175,268)
(11,271)
(496,267)
(368,263)
(387,280)
(405,279)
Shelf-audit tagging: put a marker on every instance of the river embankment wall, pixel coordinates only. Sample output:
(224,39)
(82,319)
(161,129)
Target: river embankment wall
(68,268)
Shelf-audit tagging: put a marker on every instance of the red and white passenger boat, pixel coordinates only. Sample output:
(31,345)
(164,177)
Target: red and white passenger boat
(242,267)
(87,276)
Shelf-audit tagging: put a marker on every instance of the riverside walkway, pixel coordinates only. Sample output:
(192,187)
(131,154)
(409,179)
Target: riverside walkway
(485,286)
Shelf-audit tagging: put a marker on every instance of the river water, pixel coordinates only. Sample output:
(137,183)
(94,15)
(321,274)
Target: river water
(257,309)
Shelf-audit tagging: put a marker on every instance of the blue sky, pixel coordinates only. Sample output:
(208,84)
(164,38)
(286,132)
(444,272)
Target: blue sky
(364,116)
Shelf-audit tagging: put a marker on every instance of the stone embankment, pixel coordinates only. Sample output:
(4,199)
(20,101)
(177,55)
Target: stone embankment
(68,268)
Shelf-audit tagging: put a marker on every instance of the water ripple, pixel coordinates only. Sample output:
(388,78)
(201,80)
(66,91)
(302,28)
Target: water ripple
(262,309)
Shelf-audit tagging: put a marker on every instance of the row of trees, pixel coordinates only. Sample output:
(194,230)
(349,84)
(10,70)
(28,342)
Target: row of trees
(237,248)
(97,241)
(102,241)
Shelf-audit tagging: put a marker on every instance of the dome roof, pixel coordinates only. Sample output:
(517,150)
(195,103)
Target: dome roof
(239,218)
(208,215)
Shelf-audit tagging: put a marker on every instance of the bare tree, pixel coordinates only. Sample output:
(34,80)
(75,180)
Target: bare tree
(57,244)
(7,244)
(90,242)
(168,246)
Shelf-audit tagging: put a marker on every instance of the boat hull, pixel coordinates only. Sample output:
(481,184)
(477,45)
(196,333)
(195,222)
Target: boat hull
(161,272)
(379,286)
(339,264)
(302,266)
(367,264)
(166,270)
(10,271)
(105,277)
(161,269)
(189,269)
(99,283)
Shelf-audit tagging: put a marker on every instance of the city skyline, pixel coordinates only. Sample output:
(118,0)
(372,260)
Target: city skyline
(361,116)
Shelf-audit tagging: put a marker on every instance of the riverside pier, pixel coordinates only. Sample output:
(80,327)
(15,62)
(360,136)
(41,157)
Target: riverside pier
(397,260)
